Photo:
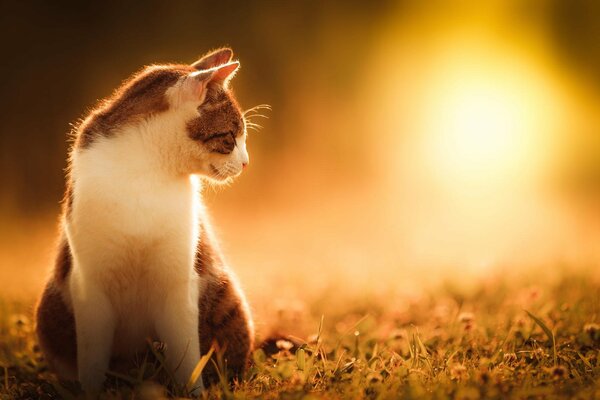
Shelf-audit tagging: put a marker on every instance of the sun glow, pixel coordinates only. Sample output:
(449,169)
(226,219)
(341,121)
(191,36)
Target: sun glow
(487,118)
(479,128)
(474,125)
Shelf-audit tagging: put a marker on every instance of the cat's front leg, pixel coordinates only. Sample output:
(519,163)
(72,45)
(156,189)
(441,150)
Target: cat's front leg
(95,322)
(177,327)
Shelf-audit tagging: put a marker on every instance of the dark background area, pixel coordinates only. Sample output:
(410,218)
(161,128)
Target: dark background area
(59,58)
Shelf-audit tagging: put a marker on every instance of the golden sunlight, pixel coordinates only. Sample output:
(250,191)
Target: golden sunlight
(473,127)
(414,211)
(489,116)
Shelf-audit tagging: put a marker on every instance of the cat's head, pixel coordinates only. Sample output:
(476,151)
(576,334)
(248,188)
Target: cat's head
(214,126)
(187,112)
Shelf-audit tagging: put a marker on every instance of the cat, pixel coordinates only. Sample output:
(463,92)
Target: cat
(137,257)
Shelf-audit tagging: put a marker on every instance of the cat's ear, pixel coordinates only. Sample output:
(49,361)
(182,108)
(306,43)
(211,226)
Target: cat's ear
(197,81)
(224,73)
(221,74)
(214,59)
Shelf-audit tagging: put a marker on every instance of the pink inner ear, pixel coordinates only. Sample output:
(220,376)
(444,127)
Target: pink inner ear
(214,59)
(225,72)
(223,57)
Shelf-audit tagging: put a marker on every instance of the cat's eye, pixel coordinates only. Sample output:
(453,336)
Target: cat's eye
(221,142)
(220,135)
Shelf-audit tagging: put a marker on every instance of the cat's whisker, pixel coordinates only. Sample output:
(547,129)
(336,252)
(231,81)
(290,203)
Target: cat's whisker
(254,128)
(253,124)
(258,107)
(254,111)
(257,115)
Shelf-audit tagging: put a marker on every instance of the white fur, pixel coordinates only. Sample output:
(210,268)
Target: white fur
(133,230)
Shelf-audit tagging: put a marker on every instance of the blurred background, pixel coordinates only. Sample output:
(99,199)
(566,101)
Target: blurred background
(409,142)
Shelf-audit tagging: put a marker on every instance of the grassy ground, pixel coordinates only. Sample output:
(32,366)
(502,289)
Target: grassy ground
(498,339)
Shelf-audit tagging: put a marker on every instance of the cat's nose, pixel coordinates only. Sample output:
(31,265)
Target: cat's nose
(244,164)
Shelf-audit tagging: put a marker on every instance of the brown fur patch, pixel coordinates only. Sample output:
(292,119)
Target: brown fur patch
(64,261)
(222,315)
(55,327)
(223,143)
(224,319)
(67,201)
(139,97)
(219,123)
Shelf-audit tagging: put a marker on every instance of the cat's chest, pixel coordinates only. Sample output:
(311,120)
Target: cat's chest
(131,221)
(136,258)
(134,229)
(136,205)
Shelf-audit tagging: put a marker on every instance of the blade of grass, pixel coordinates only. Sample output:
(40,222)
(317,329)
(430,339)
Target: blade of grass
(200,367)
(585,360)
(547,331)
(424,352)
(337,364)
(421,345)
(320,328)
(300,359)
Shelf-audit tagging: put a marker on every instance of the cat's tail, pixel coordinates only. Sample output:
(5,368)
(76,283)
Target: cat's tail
(278,342)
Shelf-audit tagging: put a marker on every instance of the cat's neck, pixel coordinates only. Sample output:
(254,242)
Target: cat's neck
(134,153)
(129,175)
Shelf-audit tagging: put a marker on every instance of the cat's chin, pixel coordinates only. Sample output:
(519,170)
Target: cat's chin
(216,175)
(216,178)
(213,180)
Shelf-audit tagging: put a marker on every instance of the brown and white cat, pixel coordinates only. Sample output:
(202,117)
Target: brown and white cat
(137,258)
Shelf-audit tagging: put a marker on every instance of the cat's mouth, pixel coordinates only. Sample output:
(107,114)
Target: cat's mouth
(214,170)
(224,173)
(218,174)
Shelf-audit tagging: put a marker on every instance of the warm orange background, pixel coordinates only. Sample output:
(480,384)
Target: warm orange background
(407,143)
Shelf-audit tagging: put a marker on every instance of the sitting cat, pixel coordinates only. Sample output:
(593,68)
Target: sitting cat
(137,258)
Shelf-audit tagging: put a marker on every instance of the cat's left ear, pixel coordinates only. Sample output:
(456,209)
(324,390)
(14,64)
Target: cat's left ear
(221,74)
(224,73)
(214,59)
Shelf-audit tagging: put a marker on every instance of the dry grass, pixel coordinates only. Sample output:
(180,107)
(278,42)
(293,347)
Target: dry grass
(503,338)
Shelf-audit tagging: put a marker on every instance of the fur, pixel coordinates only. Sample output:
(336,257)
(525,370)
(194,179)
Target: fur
(137,258)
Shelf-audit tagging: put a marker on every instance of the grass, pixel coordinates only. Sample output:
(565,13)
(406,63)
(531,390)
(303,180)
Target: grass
(500,339)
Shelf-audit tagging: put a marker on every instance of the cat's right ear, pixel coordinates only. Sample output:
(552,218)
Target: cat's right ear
(195,84)
(214,59)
